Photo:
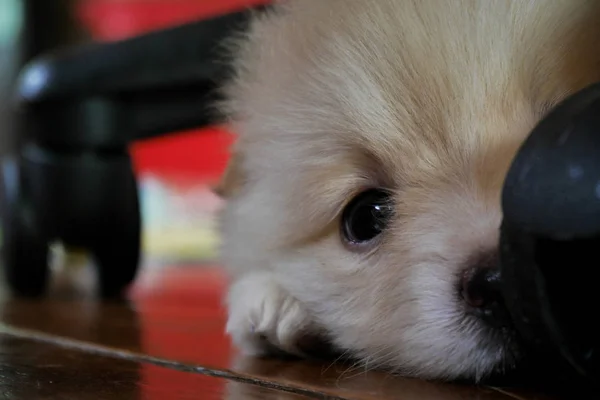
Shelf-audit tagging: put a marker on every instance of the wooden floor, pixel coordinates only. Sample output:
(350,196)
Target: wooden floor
(168,342)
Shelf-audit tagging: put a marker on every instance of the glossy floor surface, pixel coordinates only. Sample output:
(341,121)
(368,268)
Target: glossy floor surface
(167,342)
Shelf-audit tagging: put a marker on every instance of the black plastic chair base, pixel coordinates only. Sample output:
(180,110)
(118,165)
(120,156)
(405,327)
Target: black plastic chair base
(69,178)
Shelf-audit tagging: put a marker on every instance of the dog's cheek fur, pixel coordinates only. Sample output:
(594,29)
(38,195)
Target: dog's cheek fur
(398,307)
(394,308)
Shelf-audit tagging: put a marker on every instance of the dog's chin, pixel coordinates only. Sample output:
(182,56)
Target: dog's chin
(504,349)
(498,358)
(519,365)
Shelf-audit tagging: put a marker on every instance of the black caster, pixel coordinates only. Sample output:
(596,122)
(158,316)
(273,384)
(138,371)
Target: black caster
(85,202)
(117,257)
(551,233)
(24,250)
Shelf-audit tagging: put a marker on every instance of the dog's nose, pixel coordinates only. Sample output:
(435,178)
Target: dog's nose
(481,291)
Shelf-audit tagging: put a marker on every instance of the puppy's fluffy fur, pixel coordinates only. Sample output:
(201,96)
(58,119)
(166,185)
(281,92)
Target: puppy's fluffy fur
(429,99)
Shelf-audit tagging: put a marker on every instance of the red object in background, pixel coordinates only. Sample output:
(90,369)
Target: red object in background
(117,19)
(199,154)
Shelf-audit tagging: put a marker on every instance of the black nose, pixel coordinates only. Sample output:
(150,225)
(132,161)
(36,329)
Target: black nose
(480,289)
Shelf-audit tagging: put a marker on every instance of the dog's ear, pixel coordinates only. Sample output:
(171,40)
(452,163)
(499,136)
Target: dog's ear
(233,177)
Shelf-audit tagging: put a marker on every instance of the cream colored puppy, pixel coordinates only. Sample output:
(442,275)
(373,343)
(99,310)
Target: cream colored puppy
(363,197)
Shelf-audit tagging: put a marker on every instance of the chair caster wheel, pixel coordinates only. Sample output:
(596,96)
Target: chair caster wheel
(25,252)
(91,205)
(117,262)
(117,267)
(117,257)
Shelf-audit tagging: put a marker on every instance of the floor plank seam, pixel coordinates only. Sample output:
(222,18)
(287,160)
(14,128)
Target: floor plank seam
(110,352)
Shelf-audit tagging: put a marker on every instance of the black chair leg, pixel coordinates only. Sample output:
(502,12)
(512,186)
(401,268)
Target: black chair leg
(25,249)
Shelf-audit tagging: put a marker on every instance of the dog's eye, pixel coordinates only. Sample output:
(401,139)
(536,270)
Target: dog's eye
(366,216)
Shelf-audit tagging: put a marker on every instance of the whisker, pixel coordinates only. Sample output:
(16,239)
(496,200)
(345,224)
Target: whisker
(336,361)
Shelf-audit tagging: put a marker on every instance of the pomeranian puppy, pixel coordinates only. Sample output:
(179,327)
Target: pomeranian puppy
(363,195)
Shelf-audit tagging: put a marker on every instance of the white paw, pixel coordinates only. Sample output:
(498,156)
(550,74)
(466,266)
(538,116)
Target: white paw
(264,319)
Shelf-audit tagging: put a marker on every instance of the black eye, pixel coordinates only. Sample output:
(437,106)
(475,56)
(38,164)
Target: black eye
(366,216)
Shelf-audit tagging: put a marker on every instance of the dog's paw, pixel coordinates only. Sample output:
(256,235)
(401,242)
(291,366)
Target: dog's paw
(265,320)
